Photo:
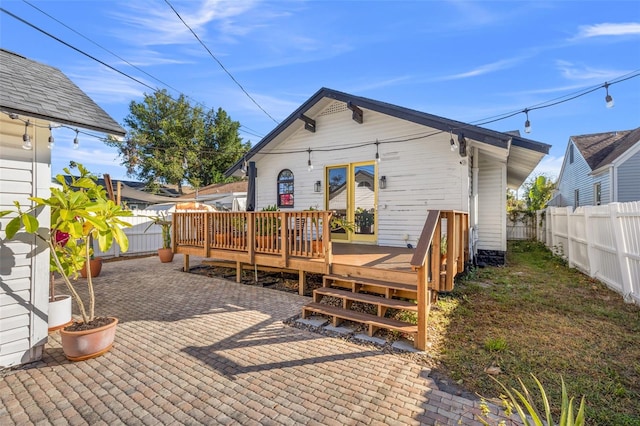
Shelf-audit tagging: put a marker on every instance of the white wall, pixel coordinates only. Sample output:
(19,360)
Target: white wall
(576,176)
(24,261)
(421,174)
(492,204)
(629,177)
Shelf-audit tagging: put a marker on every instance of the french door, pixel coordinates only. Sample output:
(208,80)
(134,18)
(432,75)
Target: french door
(351,195)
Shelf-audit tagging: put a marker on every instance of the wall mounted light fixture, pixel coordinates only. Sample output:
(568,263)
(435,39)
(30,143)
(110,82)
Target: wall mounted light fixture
(317,186)
(383,182)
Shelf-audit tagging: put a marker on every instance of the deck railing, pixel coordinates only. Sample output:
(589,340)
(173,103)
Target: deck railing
(295,233)
(436,265)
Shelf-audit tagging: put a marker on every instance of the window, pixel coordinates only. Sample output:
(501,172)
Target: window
(576,198)
(597,194)
(285,189)
(571,154)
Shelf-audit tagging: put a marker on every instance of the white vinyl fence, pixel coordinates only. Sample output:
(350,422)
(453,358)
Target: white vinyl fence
(601,241)
(140,242)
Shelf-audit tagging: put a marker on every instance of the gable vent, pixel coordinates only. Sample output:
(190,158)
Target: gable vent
(334,108)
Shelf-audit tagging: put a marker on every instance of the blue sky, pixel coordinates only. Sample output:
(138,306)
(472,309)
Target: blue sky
(462,60)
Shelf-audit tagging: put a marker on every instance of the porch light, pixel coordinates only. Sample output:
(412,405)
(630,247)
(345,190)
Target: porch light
(26,139)
(383,182)
(317,187)
(608,99)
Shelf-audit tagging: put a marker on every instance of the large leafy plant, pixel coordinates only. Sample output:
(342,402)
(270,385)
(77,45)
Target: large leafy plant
(80,212)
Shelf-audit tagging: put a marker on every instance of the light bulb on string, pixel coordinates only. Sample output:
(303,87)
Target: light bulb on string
(51,140)
(309,165)
(527,124)
(26,139)
(76,142)
(377,153)
(452,142)
(608,99)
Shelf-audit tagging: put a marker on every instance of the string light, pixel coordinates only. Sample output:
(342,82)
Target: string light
(452,142)
(51,140)
(377,153)
(26,139)
(76,142)
(608,99)
(309,165)
(527,124)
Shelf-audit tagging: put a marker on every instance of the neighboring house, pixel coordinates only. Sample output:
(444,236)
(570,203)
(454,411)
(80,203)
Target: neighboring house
(35,94)
(223,196)
(599,168)
(321,155)
(134,195)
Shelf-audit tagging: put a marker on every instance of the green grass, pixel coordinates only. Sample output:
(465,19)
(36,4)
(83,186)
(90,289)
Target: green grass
(537,316)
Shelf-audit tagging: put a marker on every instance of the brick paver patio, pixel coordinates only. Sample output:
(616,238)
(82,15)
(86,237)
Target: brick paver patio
(196,350)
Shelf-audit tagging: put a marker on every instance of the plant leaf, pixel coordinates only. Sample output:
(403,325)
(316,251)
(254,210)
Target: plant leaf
(30,223)
(13,227)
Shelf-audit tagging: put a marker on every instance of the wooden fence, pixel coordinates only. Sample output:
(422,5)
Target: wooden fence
(601,241)
(520,226)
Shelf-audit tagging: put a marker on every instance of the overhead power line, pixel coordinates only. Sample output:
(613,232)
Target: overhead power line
(220,63)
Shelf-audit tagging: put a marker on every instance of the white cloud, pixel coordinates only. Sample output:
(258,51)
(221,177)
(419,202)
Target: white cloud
(571,71)
(105,86)
(608,29)
(483,69)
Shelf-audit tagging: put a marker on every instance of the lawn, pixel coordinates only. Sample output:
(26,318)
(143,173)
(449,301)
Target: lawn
(537,316)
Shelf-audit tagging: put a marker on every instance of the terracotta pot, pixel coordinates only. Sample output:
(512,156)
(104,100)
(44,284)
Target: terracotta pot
(59,314)
(81,345)
(95,265)
(264,242)
(165,255)
(221,238)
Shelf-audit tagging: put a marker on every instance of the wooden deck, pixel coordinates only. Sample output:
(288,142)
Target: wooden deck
(299,241)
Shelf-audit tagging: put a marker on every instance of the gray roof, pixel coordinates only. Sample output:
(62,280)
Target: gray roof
(601,149)
(481,134)
(37,90)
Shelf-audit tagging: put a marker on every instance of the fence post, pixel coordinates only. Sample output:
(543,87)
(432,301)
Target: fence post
(621,249)
(591,253)
(569,235)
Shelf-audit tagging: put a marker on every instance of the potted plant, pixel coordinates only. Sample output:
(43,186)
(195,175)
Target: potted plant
(267,228)
(95,264)
(82,210)
(336,223)
(166,252)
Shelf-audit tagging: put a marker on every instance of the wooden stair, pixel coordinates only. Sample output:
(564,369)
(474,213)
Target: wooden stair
(382,294)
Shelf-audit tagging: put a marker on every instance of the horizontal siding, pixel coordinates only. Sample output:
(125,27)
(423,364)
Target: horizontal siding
(24,264)
(421,174)
(576,176)
(491,204)
(629,179)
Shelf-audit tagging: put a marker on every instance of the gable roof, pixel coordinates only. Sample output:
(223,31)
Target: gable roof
(324,96)
(37,90)
(219,188)
(601,149)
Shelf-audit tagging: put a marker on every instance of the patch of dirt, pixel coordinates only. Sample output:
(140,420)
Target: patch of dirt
(91,325)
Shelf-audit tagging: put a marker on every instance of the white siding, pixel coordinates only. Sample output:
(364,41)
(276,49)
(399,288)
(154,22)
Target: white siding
(492,186)
(629,179)
(576,176)
(421,174)
(24,263)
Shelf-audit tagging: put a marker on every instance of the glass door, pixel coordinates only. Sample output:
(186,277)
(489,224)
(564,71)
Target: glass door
(351,196)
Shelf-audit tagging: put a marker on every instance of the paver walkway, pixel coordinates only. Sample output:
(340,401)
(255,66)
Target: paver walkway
(196,350)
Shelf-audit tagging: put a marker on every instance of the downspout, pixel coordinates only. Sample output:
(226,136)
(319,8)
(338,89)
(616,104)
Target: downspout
(474,202)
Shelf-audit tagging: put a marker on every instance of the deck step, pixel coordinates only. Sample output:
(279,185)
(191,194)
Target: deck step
(365,298)
(370,282)
(372,321)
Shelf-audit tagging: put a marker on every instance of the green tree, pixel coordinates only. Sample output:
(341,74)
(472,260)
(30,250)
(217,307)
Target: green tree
(538,191)
(172,142)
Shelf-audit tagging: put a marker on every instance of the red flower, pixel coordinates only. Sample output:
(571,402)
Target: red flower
(60,238)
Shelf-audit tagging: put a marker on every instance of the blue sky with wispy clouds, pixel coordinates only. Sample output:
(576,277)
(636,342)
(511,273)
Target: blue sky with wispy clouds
(462,60)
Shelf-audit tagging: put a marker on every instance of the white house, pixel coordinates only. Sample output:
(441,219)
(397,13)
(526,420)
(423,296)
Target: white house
(417,162)
(599,168)
(32,96)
